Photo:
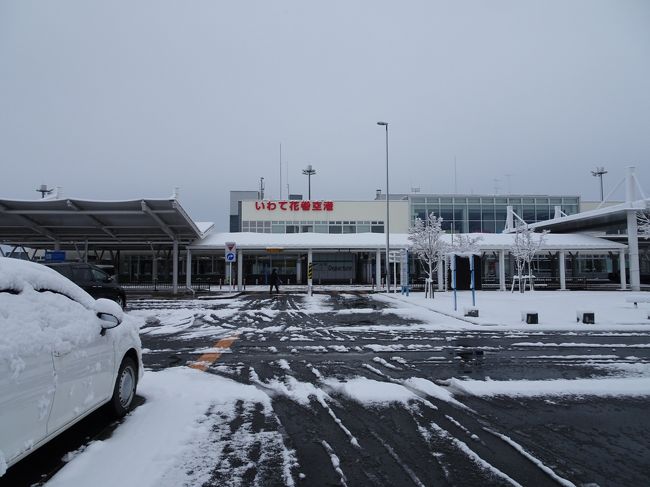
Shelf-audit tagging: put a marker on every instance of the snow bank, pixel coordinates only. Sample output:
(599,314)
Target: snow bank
(431,389)
(502,310)
(151,446)
(372,392)
(628,386)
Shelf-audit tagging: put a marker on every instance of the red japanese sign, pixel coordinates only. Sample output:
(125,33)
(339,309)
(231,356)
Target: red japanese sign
(294,205)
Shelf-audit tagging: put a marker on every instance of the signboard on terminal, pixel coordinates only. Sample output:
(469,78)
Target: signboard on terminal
(294,206)
(54,256)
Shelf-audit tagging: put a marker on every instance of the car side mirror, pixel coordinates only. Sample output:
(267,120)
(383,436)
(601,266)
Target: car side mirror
(109,312)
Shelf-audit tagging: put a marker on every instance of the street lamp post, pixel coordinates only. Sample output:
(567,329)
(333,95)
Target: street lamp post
(598,173)
(309,172)
(385,124)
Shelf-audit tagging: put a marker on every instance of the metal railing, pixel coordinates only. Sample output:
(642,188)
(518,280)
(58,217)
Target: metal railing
(154,285)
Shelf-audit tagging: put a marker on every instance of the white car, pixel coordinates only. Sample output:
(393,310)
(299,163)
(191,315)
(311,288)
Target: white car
(63,355)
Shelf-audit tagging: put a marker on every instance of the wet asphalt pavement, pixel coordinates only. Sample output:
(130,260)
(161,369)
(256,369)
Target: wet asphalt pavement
(287,340)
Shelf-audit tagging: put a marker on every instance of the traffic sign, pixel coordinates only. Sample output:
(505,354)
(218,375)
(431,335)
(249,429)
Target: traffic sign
(231,252)
(310,271)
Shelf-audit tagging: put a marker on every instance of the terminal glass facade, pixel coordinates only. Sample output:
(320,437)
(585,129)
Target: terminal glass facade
(487,214)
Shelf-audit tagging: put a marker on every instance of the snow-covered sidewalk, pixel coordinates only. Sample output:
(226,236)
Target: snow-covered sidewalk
(557,310)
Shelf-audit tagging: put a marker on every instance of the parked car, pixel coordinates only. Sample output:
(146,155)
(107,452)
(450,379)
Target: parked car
(63,355)
(91,279)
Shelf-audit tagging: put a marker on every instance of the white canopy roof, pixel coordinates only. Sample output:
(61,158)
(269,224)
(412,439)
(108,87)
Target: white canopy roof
(373,241)
(592,219)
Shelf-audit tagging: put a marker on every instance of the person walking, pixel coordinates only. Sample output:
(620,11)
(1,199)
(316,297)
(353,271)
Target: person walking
(274,280)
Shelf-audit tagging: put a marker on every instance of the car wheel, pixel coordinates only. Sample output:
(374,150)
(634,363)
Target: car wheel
(120,300)
(125,386)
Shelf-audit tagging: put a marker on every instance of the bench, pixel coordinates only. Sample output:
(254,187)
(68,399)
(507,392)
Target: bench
(638,298)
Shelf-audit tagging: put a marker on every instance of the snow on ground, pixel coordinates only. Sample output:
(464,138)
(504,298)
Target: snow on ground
(371,392)
(619,386)
(431,389)
(172,434)
(316,303)
(557,309)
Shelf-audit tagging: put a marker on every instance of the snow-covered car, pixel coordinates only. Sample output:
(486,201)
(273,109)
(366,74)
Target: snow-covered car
(63,355)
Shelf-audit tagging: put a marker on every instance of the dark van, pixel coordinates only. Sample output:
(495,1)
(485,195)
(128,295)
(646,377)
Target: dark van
(91,279)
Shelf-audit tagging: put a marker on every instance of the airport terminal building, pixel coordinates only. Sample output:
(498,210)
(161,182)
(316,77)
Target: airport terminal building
(155,244)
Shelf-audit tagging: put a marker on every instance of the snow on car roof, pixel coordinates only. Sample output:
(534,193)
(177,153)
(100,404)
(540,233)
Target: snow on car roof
(15,274)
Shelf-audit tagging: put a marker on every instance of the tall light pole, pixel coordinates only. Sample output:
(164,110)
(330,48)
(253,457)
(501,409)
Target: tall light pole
(309,172)
(43,189)
(385,124)
(598,173)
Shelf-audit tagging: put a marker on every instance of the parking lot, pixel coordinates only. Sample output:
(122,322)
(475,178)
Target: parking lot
(343,388)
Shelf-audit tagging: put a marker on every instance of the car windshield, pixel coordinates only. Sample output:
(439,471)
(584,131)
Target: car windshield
(81,274)
(100,276)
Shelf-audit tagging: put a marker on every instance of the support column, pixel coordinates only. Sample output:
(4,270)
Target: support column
(621,266)
(378,269)
(154,267)
(310,269)
(299,270)
(633,250)
(562,259)
(510,219)
(188,269)
(632,230)
(175,268)
(441,275)
(502,270)
(240,270)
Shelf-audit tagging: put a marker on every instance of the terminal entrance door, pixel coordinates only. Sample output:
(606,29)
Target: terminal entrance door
(463,277)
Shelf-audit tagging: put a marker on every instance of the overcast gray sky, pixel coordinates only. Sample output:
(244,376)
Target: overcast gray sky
(124,99)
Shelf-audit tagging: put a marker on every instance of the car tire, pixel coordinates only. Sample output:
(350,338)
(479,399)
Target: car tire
(120,300)
(125,387)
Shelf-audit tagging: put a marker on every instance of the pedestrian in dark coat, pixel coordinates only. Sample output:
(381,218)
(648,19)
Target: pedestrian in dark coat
(274,280)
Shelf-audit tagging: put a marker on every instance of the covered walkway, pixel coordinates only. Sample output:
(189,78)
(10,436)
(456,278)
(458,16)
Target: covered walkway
(153,227)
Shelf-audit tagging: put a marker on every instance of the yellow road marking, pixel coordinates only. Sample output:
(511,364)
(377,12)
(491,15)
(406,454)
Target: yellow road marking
(207,359)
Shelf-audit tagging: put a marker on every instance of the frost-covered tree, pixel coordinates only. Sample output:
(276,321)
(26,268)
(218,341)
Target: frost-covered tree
(526,244)
(643,219)
(466,244)
(427,244)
